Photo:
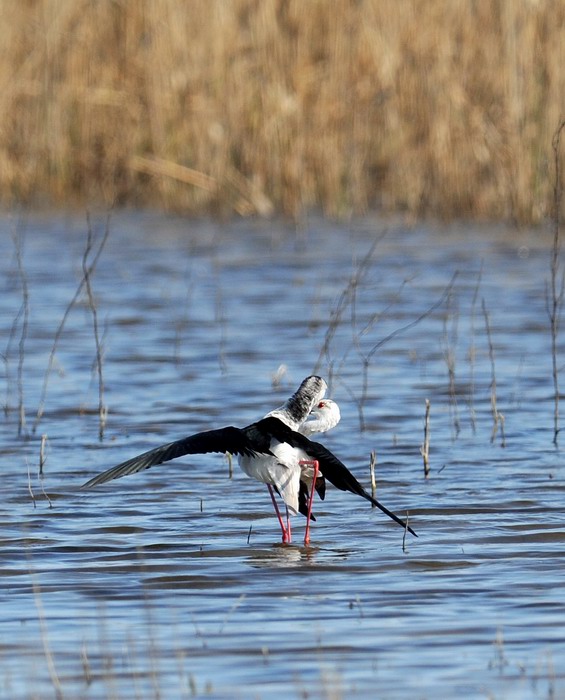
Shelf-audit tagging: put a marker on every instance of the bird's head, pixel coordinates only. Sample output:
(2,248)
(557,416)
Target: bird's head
(323,417)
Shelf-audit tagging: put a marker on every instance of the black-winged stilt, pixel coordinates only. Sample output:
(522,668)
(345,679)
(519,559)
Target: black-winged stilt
(275,450)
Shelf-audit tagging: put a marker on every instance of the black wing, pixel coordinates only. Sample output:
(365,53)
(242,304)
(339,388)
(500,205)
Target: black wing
(330,466)
(228,439)
(304,495)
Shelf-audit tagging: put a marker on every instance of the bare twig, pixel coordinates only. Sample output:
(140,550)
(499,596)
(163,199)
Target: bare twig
(497,417)
(418,319)
(500,660)
(45,494)
(85,664)
(221,320)
(472,352)
(348,300)
(554,301)
(367,358)
(42,453)
(502,424)
(86,270)
(356,343)
(372,465)
(23,335)
(42,458)
(29,486)
(6,359)
(45,640)
(344,300)
(449,353)
(61,327)
(425,447)
(405,532)
(231,611)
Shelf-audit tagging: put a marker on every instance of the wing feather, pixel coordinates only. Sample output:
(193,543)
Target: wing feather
(228,439)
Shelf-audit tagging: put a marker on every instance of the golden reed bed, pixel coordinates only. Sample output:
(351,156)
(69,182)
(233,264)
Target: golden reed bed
(438,107)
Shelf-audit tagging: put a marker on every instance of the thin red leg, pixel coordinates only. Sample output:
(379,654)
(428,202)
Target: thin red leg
(285,532)
(288,530)
(313,463)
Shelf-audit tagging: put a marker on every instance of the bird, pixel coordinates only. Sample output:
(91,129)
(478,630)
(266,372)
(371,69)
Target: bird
(290,473)
(273,450)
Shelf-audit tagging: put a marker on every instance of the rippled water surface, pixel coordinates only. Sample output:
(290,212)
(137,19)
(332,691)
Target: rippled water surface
(172,582)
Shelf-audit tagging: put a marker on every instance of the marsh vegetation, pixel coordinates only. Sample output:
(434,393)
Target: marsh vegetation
(442,108)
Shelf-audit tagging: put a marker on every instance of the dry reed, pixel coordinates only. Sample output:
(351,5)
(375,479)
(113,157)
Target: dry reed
(404,548)
(554,297)
(497,416)
(372,465)
(348,300)
(29,486)
(22,320)
(42,453)
(472,352)
(425,447)
(87,267)
(367,359)
(88,271)
(449,343)
(444,107)
(44,635)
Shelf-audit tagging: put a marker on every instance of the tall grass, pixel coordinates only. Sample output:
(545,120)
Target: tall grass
(443,107)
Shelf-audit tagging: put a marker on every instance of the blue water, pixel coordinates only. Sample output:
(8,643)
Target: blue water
(172,582)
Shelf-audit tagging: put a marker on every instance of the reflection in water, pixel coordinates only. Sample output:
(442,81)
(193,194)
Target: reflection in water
(281,556)
(158,585)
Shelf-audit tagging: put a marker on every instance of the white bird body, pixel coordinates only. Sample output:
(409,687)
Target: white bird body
(281,471)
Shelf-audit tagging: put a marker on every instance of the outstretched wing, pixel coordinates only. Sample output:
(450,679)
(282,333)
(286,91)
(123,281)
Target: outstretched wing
(339,475)
(228,439)
(330,466)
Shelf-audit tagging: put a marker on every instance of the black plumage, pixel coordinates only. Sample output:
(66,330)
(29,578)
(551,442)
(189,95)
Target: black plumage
(248,441)
(252,441)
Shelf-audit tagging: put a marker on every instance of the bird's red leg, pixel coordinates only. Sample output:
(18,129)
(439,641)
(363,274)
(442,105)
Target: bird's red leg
(288,530)
(285,533)
(313,463)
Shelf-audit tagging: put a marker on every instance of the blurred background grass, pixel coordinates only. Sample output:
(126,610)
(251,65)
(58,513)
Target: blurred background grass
(443,108)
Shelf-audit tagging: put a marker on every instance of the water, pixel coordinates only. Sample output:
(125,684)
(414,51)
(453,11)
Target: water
(172,583)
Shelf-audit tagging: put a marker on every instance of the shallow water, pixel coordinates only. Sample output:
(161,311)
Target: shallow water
(172,582)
